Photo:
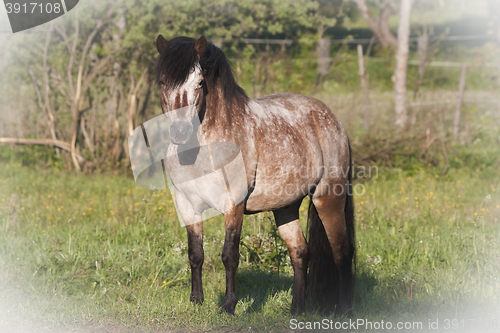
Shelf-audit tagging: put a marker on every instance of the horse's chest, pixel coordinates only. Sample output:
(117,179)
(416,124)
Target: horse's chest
(209,176)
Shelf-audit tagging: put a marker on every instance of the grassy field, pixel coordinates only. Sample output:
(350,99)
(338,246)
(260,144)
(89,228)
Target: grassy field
(96,253)
(94,250)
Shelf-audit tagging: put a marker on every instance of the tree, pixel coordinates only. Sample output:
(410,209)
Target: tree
(89,77)
(70,70)
(379,25)
(401,116)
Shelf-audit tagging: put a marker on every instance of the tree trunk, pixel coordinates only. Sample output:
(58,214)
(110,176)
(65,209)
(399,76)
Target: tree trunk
(48,108)
(379,26)
(133,99)
(81,88)
(401,65)
(88,138)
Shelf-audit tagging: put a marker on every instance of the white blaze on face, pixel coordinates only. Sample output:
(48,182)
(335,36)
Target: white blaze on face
(179,105)
(186,93)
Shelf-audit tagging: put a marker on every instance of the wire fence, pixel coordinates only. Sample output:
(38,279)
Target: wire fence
(288,42)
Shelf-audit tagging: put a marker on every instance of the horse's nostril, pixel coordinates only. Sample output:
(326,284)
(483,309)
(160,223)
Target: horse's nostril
(180,131)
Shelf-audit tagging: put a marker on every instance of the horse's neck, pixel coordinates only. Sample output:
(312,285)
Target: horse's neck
(222,118)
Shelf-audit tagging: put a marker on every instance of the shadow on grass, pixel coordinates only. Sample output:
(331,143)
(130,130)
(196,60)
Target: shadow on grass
(365,282)
(261,286)
(258,286)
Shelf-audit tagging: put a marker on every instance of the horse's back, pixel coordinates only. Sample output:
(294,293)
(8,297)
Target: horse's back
(296,108)
(311,117)
(297,138)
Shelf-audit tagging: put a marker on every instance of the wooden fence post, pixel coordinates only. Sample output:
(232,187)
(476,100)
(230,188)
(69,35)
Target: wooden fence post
(324,59)
(422,46)
(458,110)
(218,43)
(363,77)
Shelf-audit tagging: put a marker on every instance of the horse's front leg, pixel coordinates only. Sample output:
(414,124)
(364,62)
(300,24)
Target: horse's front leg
(194,227)
(231,254)
(196,257)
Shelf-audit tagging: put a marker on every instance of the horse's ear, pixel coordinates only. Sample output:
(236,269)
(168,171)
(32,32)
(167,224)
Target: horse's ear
(201,46)
(161,43)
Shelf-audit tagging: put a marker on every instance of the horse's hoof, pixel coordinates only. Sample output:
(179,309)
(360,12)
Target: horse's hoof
(230,304)
(196,299)
(229,308)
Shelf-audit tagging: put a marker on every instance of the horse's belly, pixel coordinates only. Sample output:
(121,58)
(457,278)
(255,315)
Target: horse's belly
(265,202)
(283,189)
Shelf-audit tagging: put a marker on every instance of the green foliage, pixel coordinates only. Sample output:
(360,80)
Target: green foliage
(95,250)
(126,41)
(265,251)
(223,18)
(30,156)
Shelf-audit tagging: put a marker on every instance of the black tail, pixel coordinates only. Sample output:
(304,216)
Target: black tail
(323,276)
(349,222)
(349,217)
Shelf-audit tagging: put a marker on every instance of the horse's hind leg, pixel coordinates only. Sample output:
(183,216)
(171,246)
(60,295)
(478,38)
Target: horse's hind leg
(287,220)
(330,208)
(231,254)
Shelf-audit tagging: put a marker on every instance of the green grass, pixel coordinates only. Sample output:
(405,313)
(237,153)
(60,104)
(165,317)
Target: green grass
(97,253)
(96,250)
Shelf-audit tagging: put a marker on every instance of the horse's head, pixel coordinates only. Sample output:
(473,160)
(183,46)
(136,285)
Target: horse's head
(181,81)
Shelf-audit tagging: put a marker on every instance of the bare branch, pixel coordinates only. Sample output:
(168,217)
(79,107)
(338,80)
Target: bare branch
(133,100)
(87,137)
(77,101)
(380,25)
(46,142)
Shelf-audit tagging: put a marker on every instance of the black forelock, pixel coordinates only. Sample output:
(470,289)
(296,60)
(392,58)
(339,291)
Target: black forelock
(179,57)
(175,62)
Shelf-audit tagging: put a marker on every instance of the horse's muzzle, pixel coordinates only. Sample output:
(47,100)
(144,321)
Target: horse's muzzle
(180,132)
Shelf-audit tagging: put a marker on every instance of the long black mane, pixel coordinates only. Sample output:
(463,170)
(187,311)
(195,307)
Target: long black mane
(179,58)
